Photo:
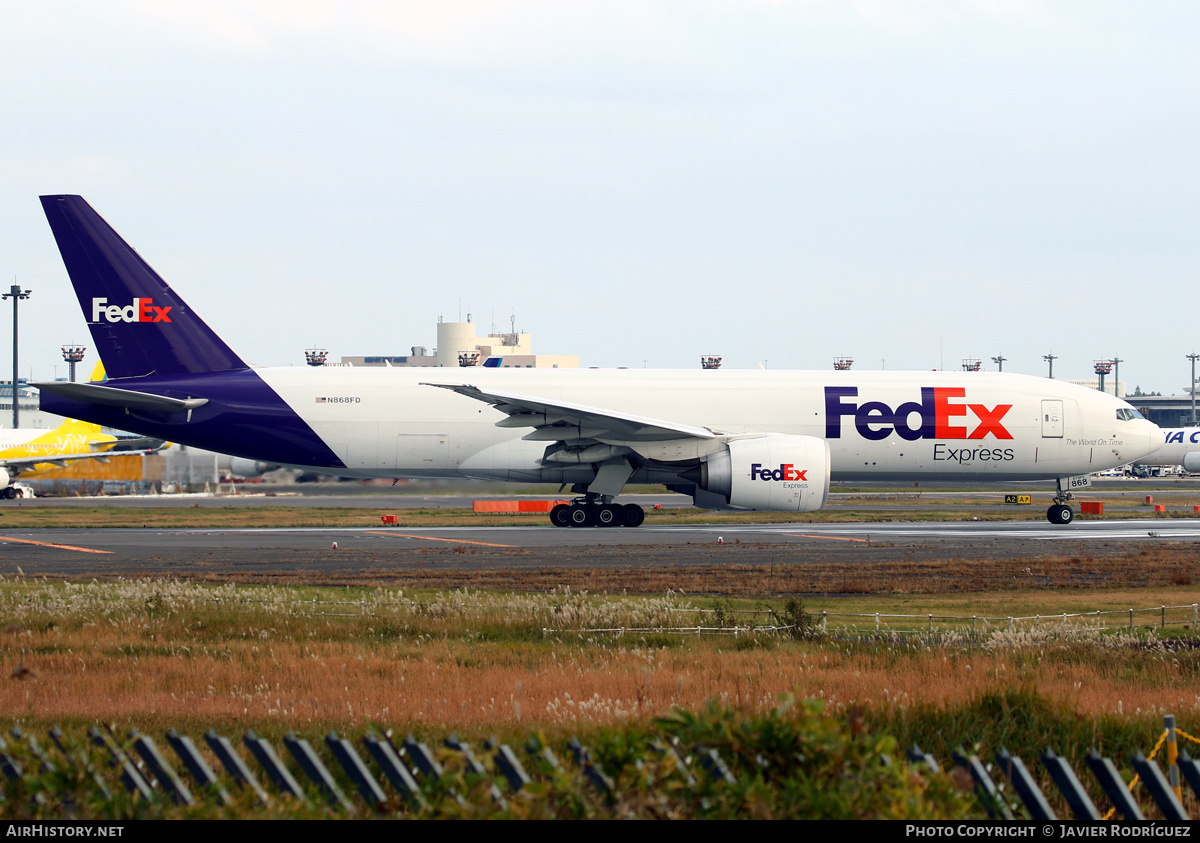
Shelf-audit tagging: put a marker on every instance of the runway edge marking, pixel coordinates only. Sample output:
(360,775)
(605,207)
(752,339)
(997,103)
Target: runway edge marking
(48,544)
(435,539)
(831,538)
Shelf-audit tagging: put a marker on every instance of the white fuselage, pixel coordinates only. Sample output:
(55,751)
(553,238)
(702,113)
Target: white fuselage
(388,422)
(11,438)
(1179,442)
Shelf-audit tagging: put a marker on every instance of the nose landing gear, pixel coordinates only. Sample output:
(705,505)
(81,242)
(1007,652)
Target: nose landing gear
(1060,512)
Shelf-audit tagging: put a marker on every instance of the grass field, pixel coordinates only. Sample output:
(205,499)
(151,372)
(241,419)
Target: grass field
(174,653)
(155,655)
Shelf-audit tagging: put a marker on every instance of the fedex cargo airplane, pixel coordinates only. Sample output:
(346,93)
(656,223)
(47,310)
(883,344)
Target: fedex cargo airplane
(759,440)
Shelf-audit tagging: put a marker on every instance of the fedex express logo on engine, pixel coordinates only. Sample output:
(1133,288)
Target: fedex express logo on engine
(786,471)
(940,416)
(142,310)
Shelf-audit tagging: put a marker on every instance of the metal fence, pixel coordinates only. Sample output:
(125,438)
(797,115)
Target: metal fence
(1163,790)
(401,776)
(1151,617)
(884,623)
(389,774)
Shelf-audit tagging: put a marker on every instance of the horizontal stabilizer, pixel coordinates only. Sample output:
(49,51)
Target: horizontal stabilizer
(107,396)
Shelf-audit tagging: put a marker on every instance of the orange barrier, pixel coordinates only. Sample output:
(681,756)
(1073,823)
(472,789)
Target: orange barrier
(495,506)
(388,519)
(539,506)
(1149,499)
(1091,507)
(1158,507)
(514,507)
(119,467)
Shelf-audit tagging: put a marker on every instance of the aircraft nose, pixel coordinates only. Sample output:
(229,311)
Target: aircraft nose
(1151,439)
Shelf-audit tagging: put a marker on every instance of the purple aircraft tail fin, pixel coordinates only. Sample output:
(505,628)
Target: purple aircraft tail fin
(139,324)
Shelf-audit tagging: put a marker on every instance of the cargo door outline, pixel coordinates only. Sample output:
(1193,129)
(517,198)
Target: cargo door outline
(422,451)
(1052,418)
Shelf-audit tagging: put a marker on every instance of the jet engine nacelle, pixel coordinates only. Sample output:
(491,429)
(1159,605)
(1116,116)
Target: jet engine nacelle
(5,478)
(1191,462)
(771,471)
(243,467)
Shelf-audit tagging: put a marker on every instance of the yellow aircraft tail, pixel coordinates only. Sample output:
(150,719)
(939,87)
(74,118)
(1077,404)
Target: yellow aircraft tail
(75,426)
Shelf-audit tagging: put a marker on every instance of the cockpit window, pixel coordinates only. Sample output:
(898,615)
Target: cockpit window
(1128,414)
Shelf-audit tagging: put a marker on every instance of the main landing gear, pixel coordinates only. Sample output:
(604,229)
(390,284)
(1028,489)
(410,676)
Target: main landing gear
(1060,511)
(597,511)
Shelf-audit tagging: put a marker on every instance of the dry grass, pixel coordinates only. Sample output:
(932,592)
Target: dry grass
(750,569)
(156,654)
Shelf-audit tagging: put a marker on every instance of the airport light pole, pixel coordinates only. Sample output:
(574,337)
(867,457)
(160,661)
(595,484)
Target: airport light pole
(1103,367)
(73,354)
(1193,357)
(1050,358)
(16,293)
(999,361)
(1117,361)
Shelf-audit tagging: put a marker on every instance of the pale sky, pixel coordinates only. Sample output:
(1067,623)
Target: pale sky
(640,182)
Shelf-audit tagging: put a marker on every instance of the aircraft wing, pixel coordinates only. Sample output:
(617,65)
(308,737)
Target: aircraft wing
(562,420)
(19,464)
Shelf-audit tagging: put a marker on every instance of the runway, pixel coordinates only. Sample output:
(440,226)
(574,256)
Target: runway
(357,552)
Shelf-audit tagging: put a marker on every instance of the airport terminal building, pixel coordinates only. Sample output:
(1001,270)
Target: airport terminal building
(458,345)
(27,408)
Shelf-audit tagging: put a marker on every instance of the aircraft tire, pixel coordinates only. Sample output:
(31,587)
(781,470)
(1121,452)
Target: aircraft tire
(632,515)
(609,515)
(560,515)
(582,516)
(9,493)
(1060,513)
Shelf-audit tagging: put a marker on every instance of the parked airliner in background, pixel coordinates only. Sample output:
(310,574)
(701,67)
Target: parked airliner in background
(27,453)
(764,440)
(1181,447)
